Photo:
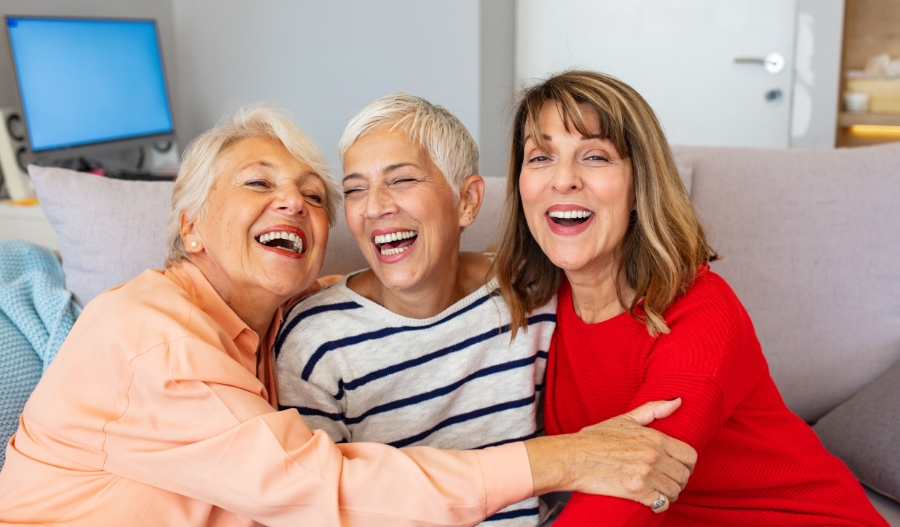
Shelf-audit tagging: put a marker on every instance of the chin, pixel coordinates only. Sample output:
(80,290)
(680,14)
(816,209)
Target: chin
(569,262)
(396,279)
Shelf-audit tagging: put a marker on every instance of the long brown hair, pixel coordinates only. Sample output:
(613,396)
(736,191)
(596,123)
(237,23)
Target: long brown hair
(664,245)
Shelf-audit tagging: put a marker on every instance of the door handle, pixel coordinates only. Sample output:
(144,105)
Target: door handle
(773,62)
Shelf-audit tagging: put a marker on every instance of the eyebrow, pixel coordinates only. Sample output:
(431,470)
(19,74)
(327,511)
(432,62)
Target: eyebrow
(262,163)
(387,169)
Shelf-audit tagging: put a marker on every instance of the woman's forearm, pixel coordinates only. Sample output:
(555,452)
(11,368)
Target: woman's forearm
(619,457)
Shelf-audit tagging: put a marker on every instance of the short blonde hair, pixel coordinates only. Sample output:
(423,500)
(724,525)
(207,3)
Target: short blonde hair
(433,127)
(664,246)
(199,165)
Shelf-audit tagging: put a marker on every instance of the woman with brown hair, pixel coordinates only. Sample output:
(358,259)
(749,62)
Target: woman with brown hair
(597,213)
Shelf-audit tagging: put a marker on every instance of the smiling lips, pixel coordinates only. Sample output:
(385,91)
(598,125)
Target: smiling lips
(395,242)
(284,240)
(569,218)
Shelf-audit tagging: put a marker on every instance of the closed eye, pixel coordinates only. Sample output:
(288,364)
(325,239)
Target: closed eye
(257,183)
(400,181)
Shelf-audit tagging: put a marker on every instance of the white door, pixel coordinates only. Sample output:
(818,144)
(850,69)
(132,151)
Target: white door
(680,55)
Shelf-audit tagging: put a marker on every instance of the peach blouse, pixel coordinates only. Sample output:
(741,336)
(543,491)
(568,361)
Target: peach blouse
(153,413)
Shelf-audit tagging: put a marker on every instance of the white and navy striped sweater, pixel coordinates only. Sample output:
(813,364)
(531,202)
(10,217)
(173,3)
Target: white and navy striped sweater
(363,373)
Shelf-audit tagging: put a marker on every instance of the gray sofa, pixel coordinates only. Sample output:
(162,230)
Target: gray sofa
(810,241)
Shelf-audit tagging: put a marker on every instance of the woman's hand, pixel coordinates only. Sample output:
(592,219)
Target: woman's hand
(619,457)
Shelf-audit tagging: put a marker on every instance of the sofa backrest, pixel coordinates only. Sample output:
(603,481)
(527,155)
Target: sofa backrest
(810,241)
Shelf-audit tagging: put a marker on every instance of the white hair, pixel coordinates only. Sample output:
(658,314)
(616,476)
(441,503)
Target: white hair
(440,133)
(199,165)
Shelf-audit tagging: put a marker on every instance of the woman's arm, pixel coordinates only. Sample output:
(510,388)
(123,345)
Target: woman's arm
(223,444)
(618,457)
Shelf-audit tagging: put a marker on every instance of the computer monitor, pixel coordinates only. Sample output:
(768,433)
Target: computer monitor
(89,86)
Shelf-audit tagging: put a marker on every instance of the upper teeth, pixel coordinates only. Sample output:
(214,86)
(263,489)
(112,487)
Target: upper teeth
(290,236)
(394,236)
(570,214)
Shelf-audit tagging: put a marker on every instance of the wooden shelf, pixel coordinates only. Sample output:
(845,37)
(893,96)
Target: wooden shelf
(847,119)
(871,27)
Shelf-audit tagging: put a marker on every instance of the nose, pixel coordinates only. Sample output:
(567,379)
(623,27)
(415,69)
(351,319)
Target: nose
(567,176)
(379,202)
(289,200)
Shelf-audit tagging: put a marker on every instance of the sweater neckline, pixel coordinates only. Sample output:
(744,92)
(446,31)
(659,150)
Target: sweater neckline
(485,290)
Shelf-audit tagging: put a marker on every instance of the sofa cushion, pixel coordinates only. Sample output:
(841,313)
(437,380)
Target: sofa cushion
(810,245)
(886,507)
(109,230)
(863,432)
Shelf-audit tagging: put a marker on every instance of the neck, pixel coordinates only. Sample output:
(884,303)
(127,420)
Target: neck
(256,315)
(256,308)
(594,294)
(427,300)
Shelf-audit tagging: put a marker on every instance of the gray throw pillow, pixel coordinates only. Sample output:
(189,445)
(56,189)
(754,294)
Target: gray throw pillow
(864,433)
(109,230)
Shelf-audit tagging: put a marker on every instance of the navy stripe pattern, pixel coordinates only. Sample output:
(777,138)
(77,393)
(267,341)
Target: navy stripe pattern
(362,373)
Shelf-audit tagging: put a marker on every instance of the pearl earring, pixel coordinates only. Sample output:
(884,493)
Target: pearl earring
(193,245)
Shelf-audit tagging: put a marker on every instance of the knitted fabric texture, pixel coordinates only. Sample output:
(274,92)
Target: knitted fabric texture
(36,314)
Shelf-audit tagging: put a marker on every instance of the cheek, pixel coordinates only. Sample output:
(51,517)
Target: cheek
(353,215)
(531,195)
(320,225)
(529,192)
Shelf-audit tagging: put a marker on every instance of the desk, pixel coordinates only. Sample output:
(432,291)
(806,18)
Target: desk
(26,223)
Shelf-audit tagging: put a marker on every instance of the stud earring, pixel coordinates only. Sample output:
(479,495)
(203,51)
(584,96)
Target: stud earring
(194,245)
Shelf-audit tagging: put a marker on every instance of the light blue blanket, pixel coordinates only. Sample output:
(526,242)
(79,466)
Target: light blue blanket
(36,314)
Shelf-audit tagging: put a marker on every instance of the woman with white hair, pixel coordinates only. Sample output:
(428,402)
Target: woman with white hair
(160,407)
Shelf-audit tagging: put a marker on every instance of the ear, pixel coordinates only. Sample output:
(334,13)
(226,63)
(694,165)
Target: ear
(190,237)
(471,196)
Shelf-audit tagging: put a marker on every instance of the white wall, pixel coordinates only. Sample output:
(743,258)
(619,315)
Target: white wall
(324,61)
(498,77)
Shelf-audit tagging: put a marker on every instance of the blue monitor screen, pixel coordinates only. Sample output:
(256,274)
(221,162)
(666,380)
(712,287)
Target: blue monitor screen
(88,81)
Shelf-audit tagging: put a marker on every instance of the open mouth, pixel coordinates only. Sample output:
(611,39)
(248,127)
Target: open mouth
(395,242)
(568,218)
(286,241)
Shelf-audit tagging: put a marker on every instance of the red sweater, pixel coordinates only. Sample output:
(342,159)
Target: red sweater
(758,463)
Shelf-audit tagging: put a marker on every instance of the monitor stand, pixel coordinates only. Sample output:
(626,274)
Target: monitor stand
(101,169)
